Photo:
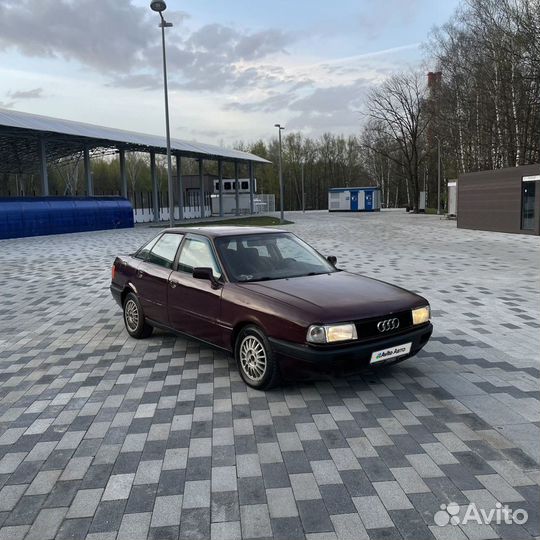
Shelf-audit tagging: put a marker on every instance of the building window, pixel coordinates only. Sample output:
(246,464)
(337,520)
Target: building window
(245,184)
(227,186)
(528,201)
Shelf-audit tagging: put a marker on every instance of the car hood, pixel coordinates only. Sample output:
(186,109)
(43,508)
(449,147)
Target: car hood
(339,296)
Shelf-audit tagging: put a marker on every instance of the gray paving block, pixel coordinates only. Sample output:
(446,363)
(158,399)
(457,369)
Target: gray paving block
(224,479)
(409,480)
(85,503)
(46,524)
(167,511)
(118,487)
(392,496)
(281,503)
(197,494)
(349,527)
(304,487)
(148,472)
(372,512)
(255,521)
(230,530)
(134,526)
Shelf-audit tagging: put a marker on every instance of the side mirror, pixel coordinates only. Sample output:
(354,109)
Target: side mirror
(332,259)
(204,272)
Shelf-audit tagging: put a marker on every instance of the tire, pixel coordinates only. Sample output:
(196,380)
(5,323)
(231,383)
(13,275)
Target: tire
(136,325)
(255,360)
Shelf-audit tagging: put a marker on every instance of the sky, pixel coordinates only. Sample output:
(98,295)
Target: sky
(236,67)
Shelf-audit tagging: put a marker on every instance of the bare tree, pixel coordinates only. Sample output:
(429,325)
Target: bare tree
(135,162)
(489,54)
(398,113)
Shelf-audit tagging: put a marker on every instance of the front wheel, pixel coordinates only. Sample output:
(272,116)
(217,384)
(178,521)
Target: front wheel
(255,360)
(134,320)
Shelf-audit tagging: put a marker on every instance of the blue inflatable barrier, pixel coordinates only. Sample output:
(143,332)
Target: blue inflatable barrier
(35,216)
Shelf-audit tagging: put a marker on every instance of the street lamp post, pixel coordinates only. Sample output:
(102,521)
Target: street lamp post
(438,175)
(282,202)
(160,6)
(303,189)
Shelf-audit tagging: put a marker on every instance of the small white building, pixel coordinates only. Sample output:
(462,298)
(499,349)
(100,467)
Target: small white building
(354,199)
(229,196)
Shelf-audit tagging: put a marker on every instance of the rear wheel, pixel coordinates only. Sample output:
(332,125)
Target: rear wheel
(255,360)
(134,320)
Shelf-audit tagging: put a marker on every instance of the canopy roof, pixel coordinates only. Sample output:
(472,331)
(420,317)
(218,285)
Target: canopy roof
(21,132)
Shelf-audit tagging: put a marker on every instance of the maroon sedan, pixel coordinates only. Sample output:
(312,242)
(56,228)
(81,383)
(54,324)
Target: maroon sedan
(269,298)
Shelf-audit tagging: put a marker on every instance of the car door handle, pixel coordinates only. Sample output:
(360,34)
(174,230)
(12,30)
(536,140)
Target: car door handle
(173,283)
(140,273)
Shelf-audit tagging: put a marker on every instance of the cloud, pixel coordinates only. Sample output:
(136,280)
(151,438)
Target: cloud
(107,35)
(377,16)
(221,67)
(35,93)
(332,99)
(6,104)
(143,81)
(276,101)
(120,40)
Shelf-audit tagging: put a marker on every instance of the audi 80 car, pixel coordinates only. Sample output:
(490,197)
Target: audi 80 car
(268,298)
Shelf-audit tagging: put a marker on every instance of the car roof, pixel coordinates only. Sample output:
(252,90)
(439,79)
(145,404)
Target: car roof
(216,231)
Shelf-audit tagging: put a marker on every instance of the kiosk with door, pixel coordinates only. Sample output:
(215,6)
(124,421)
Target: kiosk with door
(354,199)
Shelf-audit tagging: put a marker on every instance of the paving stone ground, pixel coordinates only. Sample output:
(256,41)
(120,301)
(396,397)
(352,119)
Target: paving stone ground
(105,437)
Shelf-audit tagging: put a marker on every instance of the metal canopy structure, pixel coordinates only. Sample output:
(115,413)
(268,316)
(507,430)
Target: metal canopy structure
(29,142)
(21,135)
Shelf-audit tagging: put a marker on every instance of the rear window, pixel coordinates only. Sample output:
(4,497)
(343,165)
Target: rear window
(145,250)
(164,251)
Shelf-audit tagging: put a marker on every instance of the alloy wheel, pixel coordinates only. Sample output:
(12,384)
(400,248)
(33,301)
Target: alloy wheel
(131,311)
(253,358)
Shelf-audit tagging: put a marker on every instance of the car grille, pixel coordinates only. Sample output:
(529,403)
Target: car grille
(367,328)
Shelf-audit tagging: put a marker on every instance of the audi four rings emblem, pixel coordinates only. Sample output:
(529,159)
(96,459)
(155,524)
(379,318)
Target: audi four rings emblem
(388,324)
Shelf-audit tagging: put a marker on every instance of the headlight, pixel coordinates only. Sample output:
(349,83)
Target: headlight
(421,315)
(330,333)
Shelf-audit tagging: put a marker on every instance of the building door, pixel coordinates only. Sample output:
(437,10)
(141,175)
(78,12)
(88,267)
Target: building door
(528,198)
(354,201)
(369,200)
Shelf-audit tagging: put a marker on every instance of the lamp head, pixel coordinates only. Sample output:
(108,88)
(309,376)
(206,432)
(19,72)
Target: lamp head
(158,5)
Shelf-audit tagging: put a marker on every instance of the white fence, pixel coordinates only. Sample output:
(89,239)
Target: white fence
(262,204)
(144,215)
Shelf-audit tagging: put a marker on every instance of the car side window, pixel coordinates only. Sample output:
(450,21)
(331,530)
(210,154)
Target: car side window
(197,252)
(164,251)
(145,250)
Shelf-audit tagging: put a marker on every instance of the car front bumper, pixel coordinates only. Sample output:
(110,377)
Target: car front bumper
(350,356)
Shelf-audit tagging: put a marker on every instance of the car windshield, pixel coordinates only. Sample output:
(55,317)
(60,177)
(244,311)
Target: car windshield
(259,257)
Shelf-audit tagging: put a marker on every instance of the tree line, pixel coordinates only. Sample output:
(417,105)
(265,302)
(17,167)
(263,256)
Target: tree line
(480,105)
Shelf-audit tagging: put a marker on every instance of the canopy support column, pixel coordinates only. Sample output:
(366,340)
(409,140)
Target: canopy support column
(88,172)
(251,187)
(155,193)
(220,176)
(123,176)
(236,189)
(201,187)
(180,187)
(43,167)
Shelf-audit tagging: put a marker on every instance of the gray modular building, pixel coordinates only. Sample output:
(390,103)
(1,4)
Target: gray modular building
(503,200)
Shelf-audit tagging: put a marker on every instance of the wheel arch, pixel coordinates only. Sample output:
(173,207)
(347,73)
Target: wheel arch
(129,287)
(239,326)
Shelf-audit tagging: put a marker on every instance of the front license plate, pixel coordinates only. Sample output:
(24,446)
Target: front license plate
(392,352)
